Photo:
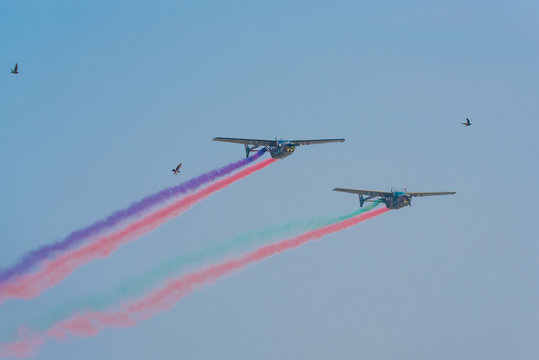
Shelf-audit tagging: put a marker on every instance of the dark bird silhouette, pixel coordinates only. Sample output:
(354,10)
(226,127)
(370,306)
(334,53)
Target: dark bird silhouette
(467,123)
(177,170)
(15,70)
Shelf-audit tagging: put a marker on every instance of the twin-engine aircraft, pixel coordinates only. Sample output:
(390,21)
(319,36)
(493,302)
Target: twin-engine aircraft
(278,149)
(392,199)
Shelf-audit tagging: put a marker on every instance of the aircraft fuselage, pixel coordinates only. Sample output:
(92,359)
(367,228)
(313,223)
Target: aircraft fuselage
(397,200)
(281,149)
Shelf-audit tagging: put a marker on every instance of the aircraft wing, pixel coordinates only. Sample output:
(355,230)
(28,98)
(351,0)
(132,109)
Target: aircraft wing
(259,142)
(420,194)
(256,142)
(311,142)
(363,192)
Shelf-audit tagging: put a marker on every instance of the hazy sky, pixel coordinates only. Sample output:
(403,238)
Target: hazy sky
(113,94)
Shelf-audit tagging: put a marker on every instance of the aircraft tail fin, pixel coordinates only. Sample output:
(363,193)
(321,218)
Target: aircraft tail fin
(247,150)
(361,200)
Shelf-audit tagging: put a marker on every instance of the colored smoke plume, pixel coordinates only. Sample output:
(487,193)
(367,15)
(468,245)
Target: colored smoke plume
(92,323)
(31,259)
(174,266)
(54,271)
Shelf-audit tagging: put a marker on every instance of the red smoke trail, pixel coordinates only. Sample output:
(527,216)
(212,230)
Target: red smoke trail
(92,322)
(54,271)
(26,346)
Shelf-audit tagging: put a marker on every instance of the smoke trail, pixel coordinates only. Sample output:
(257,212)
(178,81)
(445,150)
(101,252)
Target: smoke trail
(26,346)
(92,323)
(136,286)
(78,237)
(54,271)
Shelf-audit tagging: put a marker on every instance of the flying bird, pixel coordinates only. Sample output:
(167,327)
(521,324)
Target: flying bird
(15,70)
(177,170)
(467,123)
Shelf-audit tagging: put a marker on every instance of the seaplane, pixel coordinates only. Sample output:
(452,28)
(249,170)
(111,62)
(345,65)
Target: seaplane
(393,199)
(278,149)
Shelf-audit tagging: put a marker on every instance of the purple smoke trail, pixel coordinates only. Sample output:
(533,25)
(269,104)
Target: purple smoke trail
(32,258)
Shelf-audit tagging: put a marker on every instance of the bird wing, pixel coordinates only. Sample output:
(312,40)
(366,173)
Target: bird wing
(16,67)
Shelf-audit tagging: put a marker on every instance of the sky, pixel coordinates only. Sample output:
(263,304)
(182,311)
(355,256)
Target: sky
(113,94)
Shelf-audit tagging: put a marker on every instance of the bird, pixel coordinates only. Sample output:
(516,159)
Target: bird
(467,123)
(177,170)
(15,70)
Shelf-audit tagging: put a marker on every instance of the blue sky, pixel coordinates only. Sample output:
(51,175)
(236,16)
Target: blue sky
(113,94)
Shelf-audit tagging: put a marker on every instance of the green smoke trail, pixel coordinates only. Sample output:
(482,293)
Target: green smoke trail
(136,286)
